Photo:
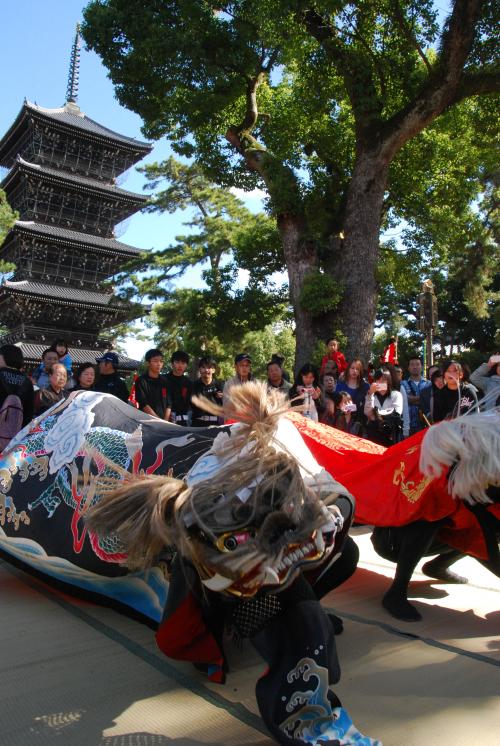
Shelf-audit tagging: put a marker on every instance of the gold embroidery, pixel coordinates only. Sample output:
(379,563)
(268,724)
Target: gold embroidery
(410,490)
(33,466)
(413,449)
(8,468)
(334,439)
(9,514)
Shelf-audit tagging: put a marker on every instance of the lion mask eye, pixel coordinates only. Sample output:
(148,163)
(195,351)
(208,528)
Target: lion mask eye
(230,541)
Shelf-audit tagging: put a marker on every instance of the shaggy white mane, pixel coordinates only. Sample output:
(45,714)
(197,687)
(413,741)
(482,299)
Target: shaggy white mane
(471,446)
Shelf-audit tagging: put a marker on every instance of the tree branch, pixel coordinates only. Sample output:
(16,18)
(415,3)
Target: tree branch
(441,88)
(407,33)
(476,83)
(353,67)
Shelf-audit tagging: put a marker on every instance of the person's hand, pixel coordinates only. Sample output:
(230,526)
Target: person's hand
(219,394)
(494,360)
(373,388)
(316,393)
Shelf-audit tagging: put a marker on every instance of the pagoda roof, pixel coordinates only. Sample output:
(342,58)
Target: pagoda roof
(65,236)
(67,295)
(81,183)
(32,353)
(70,117)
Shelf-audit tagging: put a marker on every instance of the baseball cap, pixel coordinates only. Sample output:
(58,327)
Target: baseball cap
(242,356)
(108,357)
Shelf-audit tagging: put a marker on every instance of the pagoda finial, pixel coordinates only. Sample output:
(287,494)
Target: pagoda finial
(74,69)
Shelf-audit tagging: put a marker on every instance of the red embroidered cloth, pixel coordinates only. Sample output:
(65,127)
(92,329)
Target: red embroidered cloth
(388,486)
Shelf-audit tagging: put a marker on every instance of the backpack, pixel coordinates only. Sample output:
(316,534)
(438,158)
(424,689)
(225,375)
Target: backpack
(389,425)
(11,419)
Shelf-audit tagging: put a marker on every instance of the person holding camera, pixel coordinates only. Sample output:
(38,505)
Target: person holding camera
(344,417)
(306,392)
(487,378)
(384,410)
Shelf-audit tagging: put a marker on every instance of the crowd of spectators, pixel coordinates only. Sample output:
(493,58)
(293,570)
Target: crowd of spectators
(384,405)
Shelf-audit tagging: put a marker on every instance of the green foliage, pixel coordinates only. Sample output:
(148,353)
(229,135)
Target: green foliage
(225,238)
(320,294)
(260,345)
(7,219)
(456,248)
(273,339)
(7,216)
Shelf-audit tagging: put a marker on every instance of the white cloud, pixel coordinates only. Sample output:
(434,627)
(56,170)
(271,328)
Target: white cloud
(243,277)
(251,199)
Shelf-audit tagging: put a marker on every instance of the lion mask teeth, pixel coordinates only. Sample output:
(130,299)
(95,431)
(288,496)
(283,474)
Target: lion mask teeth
(320,542)
(271,577)
(218,583)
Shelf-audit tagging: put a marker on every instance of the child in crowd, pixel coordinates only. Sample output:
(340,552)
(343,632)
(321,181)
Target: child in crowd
(335,355)
(61,347)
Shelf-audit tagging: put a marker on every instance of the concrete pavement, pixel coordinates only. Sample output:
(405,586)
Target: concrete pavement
(74,673)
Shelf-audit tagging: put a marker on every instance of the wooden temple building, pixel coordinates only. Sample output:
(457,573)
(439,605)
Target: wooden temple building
(61,180)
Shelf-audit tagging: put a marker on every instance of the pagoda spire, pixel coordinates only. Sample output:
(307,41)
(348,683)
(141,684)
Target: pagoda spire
(74,69)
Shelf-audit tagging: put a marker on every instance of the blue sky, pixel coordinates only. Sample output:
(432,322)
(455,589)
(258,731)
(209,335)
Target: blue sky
(34,59)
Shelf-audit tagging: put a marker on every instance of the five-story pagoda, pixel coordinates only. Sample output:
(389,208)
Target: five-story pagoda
(61,180)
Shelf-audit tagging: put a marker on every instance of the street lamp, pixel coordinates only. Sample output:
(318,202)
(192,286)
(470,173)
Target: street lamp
(427,317)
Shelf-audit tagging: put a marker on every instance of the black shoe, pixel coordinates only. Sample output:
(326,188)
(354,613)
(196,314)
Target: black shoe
(337,623)
(439,570)
(399,606)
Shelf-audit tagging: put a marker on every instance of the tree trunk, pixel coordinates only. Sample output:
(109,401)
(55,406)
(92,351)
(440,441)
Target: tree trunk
(357,268)
(301,259)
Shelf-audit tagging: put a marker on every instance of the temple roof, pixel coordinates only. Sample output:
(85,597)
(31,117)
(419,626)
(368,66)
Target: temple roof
(67,295)
(62,235)
(33,353)
(69,117)
(79,182)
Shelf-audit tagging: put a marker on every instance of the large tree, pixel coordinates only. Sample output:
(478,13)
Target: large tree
(315,100)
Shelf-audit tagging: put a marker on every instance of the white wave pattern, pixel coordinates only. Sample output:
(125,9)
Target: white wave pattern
(146,591)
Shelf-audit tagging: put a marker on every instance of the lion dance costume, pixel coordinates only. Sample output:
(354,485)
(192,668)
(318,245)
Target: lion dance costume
(260,533)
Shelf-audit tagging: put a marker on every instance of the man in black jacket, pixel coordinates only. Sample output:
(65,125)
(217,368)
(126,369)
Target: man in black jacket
(151,389)
(210,388)
(109,382)
(179,388)
(15,381)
